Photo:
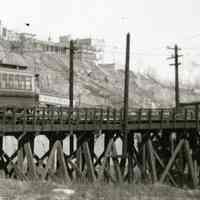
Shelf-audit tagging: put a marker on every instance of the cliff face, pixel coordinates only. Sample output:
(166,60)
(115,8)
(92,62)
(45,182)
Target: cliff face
(95,85)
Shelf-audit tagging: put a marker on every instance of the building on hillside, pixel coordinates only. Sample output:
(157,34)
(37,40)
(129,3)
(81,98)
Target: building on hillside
(90,49)
(110,67)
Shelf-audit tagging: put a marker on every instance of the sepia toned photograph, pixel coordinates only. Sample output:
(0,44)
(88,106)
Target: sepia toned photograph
(100,100)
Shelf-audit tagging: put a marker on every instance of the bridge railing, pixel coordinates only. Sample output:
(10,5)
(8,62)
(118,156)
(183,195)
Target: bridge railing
(64,115)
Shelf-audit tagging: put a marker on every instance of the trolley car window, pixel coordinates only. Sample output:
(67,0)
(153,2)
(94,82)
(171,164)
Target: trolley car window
(15,81)
(10,81)
(4,81)
(28,83)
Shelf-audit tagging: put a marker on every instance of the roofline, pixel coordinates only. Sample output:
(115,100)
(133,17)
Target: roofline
(13,65)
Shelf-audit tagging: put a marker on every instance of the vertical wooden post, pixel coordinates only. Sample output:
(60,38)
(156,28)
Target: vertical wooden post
(91,145)
(144,159)
(71,90)
(197,116)
(106,143)
(1,142)
(2,171)
(190,163)
(30,161)
(130,157)
(52,141)
(152,161)
(79,155)
(20,154)
(176,76)
(88,160)
(126,100)
(116,164)
(126,94)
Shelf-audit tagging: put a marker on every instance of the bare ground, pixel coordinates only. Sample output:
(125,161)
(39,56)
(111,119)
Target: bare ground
(17,190)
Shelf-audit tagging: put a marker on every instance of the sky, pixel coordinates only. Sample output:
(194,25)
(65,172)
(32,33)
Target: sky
(153,25)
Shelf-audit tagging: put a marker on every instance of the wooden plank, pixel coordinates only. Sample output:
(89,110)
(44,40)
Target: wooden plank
(51,110)
(24,118)
(43,117)
(161,119)
(114,116)
(109,176)
(150,118)
(77,116)
(185,118)
(79,156)
(121,117)
(144,160)
(76,168)
(139,117)
(50,160)
(89,163)
(20,154)
(190,163)
(116,164)
(108,115)
(61,163)
(163,166)
(30,162)
(95,117)
(14,117)
(171,160)
(34,118)
(196,171)
(106,156)
(152,161)
(197,116)
(61,117)
(19,173)
(131,155)
(101,117)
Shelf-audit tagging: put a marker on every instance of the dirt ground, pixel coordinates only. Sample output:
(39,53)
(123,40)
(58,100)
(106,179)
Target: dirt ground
(17,190)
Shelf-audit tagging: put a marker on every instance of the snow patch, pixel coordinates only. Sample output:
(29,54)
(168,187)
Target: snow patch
(64,190)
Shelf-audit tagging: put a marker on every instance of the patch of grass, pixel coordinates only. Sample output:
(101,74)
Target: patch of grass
(38,190)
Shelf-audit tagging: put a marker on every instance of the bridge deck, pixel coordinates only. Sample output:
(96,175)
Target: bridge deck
(35,119)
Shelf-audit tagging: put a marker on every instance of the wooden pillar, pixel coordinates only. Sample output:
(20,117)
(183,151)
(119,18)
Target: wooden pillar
(52,141)
(2,165)
(88,161)
(91,145)
(106,142)
(181,164)
(20,154)
(130,157)
(152,161)
(79,154)
(71,90)
(171,160)
(1,142)
(190,164)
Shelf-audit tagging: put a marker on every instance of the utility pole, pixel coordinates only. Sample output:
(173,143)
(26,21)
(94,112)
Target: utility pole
(71,90)
(176,64)
(126,92)
(71,74)
(125,108)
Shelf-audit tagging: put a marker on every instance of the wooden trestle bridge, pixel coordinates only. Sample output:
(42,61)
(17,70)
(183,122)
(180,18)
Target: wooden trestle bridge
(162,144)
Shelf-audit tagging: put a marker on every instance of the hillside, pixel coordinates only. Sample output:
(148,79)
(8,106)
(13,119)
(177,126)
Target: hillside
(95,84)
